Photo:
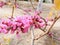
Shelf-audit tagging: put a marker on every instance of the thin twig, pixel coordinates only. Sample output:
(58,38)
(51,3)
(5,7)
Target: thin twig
(12,12)
(45,24)
(24,10)
(32,5)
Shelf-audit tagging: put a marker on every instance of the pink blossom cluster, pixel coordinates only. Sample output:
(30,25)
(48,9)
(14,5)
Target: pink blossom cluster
(2,4)
(20,24)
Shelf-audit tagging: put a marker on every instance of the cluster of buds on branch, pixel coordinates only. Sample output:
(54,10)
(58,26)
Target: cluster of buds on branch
(23,23)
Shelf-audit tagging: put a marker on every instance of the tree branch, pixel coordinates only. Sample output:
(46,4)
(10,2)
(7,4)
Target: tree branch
(13,8)
(32,5)
(56,18)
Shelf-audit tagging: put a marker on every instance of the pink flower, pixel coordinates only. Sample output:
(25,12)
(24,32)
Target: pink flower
(42,24)
(3,26)
(50,34)
(25,26)
(6,22)
(0,30)
(14,25)
(17,5)
(19,24)
(12,31)
(24,30)
(17,34)
(17,19)
(4,31)
(37,12)
(2,3)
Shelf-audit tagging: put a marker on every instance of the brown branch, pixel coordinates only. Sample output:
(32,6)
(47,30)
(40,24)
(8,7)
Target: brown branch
(34,8)
(13,8)
(32,5)
(12,12)
(24,10)
(56,18)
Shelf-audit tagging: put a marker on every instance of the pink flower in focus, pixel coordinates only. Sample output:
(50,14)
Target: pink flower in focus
(4,31)
(3,26)
(25,30)
(18,19)
(7,22)
(25,26)
(42,24)
(21,23)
